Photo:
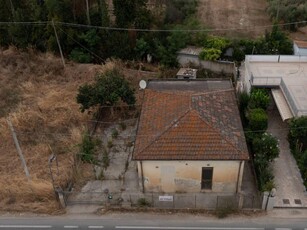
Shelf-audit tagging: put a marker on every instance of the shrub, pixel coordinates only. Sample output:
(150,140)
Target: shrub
(114,133)
(210,54)
(257,120)
(298,133)
(142,202)
(243,103)
(266,147)
(80,56)
(264,174)
(259,98)
(88,148)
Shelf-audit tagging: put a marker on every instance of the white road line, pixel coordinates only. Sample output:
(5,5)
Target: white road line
(188,228)
(70,226)
(283,228)
(95,227)
(25,226)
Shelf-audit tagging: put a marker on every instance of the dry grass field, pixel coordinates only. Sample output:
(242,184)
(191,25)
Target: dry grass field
(235,18)
(38,95)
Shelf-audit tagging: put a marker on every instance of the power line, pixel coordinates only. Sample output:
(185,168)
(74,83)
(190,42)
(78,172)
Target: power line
(81,45)
(251,28)
(177,30)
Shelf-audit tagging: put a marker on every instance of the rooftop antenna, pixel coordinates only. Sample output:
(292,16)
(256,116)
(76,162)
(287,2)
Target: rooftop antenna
(143,84)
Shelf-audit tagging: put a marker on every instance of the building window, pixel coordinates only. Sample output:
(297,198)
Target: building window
(206,178)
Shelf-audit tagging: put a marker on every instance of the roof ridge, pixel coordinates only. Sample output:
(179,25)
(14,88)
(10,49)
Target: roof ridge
(167,129)
(172,92)
(228,141)
(211,92)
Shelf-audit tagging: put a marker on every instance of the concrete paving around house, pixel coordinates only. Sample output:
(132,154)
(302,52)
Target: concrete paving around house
(289,184)
(252,198)
(119,179)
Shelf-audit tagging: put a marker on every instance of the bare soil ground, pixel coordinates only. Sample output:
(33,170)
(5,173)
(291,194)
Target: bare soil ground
(39,96)
(235,18)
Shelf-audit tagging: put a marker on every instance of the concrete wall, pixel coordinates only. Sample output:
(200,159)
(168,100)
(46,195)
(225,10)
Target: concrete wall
(299,51)
(185,176)
(216,66)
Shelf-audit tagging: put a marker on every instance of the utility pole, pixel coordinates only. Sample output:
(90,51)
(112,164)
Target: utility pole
(23,161)
(277,14)
(57,39)
(88,13)
(13,10)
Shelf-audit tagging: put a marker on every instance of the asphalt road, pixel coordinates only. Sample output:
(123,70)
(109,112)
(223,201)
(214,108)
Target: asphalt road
(136,222)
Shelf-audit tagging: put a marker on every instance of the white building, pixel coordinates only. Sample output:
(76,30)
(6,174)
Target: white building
(287,77)
(300,48)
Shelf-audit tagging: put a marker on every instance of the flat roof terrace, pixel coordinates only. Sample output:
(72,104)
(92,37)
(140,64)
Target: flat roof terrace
(287,72)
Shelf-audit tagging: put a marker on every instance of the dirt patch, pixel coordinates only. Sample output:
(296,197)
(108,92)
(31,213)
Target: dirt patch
(246,17)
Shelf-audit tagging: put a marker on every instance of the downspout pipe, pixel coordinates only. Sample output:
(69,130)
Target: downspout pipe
(142,177)
(238,179)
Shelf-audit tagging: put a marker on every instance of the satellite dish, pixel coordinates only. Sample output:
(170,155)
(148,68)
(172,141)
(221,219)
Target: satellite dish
(143,84)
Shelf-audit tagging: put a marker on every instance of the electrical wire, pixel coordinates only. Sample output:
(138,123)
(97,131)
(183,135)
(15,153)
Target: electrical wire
(152,30)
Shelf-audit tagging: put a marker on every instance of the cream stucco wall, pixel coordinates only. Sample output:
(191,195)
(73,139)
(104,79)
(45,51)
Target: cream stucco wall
(185,176)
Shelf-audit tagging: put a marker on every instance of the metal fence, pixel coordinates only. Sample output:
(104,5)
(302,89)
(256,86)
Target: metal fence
(207,201)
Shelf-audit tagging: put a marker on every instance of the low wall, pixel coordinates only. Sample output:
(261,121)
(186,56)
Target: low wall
(216,66)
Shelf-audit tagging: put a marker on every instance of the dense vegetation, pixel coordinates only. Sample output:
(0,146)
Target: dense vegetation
(288,11)
(108,89)
(90,34)
(298,144)
(264,146)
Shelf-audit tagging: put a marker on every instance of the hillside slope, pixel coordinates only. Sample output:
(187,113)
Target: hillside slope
(246,16)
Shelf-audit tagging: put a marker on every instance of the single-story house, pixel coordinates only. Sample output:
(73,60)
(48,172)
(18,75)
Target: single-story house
(300,48)
(190,138)
(286,75)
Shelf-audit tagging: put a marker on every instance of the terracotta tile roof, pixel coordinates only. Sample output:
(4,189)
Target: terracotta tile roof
(187,126)
(301,44)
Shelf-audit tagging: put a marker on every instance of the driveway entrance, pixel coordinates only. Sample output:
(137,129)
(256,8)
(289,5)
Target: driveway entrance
(289,184)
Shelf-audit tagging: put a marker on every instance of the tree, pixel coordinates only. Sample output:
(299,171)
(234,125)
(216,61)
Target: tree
(107,90)
(298,133)
(213,48)
(126,11)
(265,147)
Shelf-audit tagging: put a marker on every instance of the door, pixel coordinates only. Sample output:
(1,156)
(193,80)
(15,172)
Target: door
(206,178)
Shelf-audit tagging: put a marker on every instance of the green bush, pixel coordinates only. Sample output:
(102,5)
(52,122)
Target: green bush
(210,54)
(298,133)
(298,143)
(80,56)
(259,98)
(243,103)
(88,148)
(265,147)
(142,202)
(257,120)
